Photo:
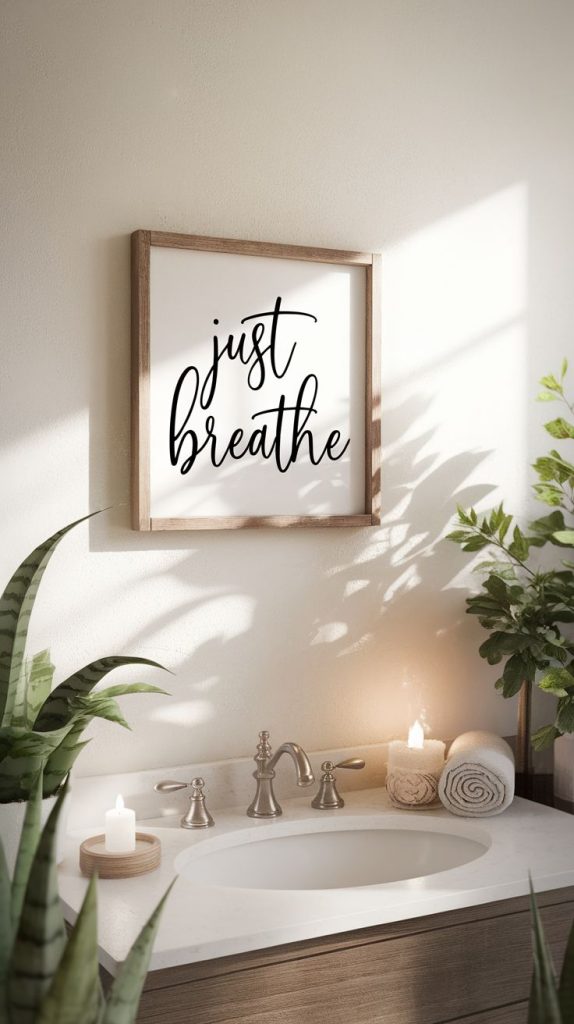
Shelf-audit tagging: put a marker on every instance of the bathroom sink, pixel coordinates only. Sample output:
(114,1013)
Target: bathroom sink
(311,855)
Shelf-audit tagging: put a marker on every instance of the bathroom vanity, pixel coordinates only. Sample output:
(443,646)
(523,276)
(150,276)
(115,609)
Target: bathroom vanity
(467,965)
(283,922)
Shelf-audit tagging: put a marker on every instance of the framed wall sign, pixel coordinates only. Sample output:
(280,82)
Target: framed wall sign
(255,390)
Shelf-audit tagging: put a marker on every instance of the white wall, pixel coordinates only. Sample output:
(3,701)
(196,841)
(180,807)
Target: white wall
(438,132)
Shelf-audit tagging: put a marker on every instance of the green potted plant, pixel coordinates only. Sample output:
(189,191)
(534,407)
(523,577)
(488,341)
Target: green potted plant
(46,975)
(40,728)
(523,604)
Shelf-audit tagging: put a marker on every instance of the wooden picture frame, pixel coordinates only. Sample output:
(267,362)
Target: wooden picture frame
(144,245)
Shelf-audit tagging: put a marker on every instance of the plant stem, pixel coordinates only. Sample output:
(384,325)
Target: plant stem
(523,744)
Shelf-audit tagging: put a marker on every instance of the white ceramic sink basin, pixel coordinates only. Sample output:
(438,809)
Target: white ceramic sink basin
(310,855)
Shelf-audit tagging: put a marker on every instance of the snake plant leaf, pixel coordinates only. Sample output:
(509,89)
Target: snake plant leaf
(124,995)
(29,838)
(16,606)
(37,675)
(40,681)
(41,936)
(544,1006)
(566,987)
(75,993)
(56,710)
(121,689)
(5,928)
(23,755)
(61,760)
(97,706)
(20,742)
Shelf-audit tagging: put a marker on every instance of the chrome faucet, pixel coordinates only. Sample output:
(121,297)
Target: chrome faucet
(264,804)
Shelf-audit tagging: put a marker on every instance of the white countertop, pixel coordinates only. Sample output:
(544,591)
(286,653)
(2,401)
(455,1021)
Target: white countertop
(201,922)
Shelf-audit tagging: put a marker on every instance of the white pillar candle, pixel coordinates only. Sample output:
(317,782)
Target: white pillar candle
(414,768)
(120,828)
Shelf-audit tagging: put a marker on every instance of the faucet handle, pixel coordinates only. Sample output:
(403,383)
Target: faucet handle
(197,816)
(169,786)
(328,797)
(264,746)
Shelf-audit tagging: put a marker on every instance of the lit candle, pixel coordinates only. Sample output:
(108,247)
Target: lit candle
(414,769)
(120,828)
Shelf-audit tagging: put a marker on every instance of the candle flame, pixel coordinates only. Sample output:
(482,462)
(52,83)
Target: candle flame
(119,802)
(416,736)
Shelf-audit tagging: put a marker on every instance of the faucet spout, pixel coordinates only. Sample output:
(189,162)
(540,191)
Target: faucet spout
(302,764)
(264,803)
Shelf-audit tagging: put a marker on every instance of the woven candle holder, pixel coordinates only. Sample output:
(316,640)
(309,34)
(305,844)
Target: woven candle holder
(412,790)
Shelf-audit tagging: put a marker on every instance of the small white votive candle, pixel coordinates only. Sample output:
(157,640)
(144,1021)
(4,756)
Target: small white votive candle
(414,769)
(120,828)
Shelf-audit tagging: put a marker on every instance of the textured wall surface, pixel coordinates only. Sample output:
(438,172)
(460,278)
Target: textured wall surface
(438,133)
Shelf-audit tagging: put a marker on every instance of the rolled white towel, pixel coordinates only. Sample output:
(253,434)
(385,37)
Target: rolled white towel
(478,778)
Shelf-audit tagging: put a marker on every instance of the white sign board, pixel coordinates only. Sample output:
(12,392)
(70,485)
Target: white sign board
(257,410)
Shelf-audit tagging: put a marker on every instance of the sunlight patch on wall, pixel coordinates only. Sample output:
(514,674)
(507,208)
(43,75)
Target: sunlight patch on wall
(330,632)
(455,359)
(454,283)
(184,713)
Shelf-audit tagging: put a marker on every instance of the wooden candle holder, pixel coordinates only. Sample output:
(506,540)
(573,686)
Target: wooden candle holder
(94,857)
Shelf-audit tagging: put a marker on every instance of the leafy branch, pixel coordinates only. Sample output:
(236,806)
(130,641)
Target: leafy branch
(523,606)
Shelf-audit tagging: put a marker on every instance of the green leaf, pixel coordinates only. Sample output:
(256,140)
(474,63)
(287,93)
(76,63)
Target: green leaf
(547,525)
(513,676)
(124,996)
(99,707)
(56,711)
(463,516)
(29,839)
(16,606)
(562,464)
(41,937)
(547,396)
(556,681)
(551,383)
(23,755)
(505,570)
(549,494)
(75,993)
(61,760)
(565,715)
(5,924)
(559,428)
(38,673)
(500,644)
(544,1005)
(503,529)
(546,468)
(498,589)
(565,537)
(40,679)
(564,369)
(519,547)
(458,536)
(496,518)
(121,689)
(544,737)
(566,986)
(476,544)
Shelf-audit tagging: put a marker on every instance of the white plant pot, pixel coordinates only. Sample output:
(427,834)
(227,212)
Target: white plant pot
(12,819)
(564,772)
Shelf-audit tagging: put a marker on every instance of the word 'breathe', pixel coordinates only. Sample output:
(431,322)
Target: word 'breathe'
(281,432)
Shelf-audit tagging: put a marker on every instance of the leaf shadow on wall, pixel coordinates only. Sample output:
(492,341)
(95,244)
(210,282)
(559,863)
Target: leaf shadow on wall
(338,627)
